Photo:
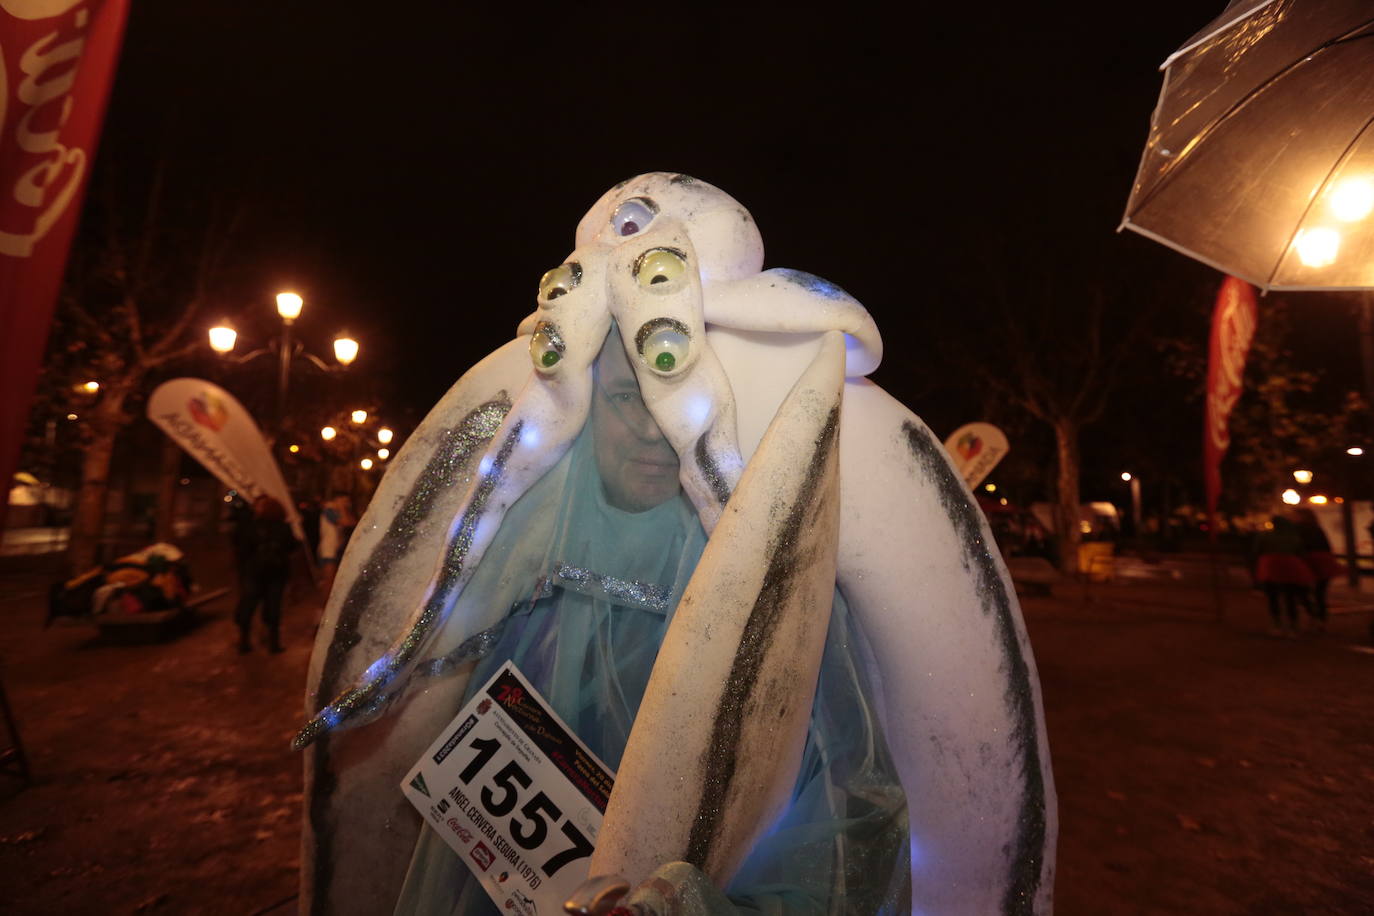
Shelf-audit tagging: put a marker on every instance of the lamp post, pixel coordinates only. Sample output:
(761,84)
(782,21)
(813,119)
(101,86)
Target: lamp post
(223,338)
(1134,481)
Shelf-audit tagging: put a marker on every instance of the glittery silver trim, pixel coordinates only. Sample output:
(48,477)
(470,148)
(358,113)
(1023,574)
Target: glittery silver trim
(371,695)
(630,592)
(450,461)
(470,649)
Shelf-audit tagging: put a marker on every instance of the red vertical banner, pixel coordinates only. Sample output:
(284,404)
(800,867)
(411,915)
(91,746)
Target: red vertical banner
(57,61)
(1233,327)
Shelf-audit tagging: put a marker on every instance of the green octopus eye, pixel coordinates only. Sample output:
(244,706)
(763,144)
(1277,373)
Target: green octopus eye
(546,347)
(664,344)
(560,281)
(659,268)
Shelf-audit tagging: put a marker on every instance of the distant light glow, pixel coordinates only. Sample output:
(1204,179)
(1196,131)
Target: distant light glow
(1318,246)
(185,481)
(289,306)
(1338,500)
(1354,451)
(328,433)
(1002,501)
(1352,199)
(384,453)
(294,449)
(1317,500)
(222,338)
(1291,497)
(1085,527)
(991,488)
(384,436)
(71,416)
(359,416)
(1126,476)
(91,386)
(365,464)
(345,350)
(1302,476)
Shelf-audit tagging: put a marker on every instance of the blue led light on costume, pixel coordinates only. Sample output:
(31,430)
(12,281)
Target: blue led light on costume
(484,466)
(698,409)
(529,436)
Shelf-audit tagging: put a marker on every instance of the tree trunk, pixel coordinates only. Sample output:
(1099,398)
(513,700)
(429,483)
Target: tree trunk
(168,484)
(1066,518)
(88,524)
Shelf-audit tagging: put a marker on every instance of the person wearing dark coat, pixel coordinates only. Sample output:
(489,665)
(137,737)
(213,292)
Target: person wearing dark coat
(1283,574)
(266,570)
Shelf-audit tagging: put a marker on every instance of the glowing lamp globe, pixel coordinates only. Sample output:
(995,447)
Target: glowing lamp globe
(289,306)
(345,350)
(222,338)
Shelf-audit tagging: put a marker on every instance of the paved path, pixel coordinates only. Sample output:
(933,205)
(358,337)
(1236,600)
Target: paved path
(1202,766)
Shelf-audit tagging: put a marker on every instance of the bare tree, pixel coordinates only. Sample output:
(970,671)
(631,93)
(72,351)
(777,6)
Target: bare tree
(128,311)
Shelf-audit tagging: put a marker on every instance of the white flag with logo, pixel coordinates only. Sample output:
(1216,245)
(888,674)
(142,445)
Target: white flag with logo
(976,448)
(218,431)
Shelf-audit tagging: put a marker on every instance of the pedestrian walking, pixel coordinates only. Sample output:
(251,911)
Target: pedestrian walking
(267,569)
(1317,553)
(336,525)
(1283,574)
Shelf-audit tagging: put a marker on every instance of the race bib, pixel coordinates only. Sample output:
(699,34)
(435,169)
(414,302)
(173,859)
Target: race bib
(515,794)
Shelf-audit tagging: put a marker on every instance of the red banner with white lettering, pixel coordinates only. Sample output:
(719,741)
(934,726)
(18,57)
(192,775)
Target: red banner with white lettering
(57,61)
(1233,327)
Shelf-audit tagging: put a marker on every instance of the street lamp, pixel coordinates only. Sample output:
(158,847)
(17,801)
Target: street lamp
(365,464)
(1134,481)
(384,453)
(1291,497)
(223,337)
(328,433)
(384,435)
(1302,476)
(359,417)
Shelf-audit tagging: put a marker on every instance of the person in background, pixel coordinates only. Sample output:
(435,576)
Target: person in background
(336,524)
(266,572)
(241,536)
(1316,550)
(1283,574)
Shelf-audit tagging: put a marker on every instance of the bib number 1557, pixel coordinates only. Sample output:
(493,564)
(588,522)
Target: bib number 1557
(501,793)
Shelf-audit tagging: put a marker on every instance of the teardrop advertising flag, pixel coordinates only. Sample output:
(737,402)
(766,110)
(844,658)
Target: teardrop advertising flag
(211,425)
(1233,327)
(57,62)
(976,449)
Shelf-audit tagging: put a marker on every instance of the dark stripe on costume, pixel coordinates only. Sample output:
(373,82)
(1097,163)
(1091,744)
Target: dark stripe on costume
(785,559)
(1028,849)
(447,465)
(706,463)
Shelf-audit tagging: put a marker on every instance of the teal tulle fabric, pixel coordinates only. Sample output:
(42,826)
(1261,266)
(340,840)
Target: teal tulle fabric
(591,590)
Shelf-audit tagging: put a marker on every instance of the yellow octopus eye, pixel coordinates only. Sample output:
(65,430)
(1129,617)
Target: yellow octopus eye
(664,343)
(546,347)
(659,268)
(560,281)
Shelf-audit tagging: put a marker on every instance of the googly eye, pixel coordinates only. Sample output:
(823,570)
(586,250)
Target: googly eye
(664,343)
(634,215)
(560,281)
(546,347)
(658,268)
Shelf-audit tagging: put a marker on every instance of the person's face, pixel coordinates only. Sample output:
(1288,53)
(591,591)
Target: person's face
(638,467)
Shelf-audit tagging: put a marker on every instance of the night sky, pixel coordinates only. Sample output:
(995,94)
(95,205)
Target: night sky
(412,171)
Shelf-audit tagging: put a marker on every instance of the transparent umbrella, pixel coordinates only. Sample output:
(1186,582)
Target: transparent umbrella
(1260,159)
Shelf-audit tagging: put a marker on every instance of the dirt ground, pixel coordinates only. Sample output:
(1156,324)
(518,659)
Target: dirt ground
(1202,766)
